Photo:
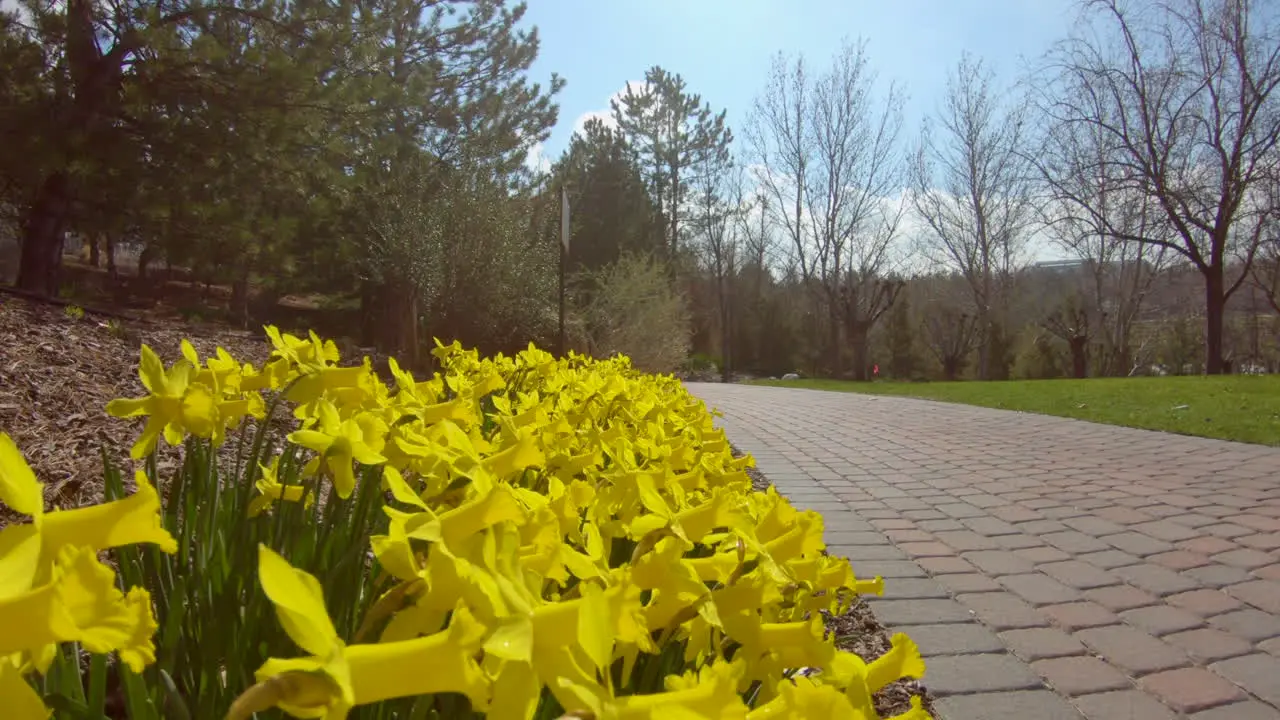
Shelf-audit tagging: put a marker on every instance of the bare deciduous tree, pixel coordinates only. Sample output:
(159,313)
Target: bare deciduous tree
(1070,322)
(971,187)
(1114,230)
(1184,94)
(1267,274)
(781,145)
(949,326)
(858,204)
(1266,268)
(830,165)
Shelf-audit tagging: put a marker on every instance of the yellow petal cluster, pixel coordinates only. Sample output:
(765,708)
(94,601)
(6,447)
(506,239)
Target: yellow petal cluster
(53,588)
(566,530)
(190,398)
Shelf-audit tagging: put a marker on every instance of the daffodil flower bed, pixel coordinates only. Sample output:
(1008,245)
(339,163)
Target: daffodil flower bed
(516,537)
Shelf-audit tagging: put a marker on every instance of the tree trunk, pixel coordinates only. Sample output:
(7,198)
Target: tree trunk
(42,233)
(726,362)
(675,213)
(263,306)
(1079,356)
(406,309)
(369,297)
(240,299)
(726,333)
(997,349)
(95,92)
(950,368)
(833,328)
(858,341)
(1215,302)
(144,261)
(1124,360)
(111,256)
(984,347)
(390,320)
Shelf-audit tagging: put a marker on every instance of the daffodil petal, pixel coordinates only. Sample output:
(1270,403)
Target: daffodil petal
(438,663)
(151,371)
(20,550)
(135,519)
(129,407)
(311,439)
(299,603)
(19,700)
(902,660)
(19,488)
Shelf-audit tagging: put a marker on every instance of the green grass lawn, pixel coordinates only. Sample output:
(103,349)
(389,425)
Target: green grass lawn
(1233,407)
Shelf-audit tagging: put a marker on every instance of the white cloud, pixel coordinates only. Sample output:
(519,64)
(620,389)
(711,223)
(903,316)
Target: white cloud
(536,159)
(606,115)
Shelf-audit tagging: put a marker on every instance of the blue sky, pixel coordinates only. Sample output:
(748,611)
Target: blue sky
(723,47)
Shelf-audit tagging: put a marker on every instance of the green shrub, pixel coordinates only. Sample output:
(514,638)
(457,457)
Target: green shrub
(636,310)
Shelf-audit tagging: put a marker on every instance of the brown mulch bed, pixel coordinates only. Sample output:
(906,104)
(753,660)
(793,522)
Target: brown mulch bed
(857,631)
(58,371)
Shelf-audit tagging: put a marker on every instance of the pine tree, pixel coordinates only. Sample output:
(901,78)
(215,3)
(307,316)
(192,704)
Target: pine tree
(612,212)
(672,132)
(454,113)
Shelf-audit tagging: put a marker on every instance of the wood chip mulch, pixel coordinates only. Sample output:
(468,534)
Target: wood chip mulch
(857,631)
(58,370)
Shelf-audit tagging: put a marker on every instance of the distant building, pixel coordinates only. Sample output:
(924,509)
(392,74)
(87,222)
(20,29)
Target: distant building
(1068,264)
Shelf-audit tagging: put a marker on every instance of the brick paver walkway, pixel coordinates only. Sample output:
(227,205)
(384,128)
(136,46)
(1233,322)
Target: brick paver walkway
(1048,568)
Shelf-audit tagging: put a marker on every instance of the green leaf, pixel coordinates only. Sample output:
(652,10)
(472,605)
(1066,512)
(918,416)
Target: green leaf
(97,699)
(175,708)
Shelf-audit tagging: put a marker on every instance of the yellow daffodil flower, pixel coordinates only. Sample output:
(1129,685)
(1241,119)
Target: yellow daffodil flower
(309,354)
(28,550)
(271,491)
(552,521)
(53,589)
(339,443)
(19,488)
(174,406)
(803,699)
(337,677)
(710,694)
(19,700)
(80,603)
(861,679)
(353,384)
